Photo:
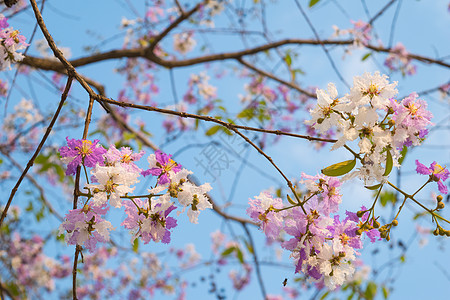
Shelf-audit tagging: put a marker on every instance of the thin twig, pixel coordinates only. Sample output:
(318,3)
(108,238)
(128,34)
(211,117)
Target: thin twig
(256,262)
(210,119)
(41,144)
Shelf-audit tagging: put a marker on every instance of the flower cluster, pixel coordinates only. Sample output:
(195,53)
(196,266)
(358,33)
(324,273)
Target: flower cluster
(11,41)
(398,60)
(34,270)
(361,32)
(371,114)
(323,247)
(184,42)
(113,176)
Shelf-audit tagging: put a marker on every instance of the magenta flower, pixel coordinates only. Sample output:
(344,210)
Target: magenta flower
(437,173)
(81,152)
(163,166)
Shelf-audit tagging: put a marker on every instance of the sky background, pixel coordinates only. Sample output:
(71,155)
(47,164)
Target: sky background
(422,26)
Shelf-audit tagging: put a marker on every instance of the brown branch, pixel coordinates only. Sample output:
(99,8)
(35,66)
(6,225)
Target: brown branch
(51,65)
(382,11)
(58,54)
(41,144)
(230,126)
(172,26)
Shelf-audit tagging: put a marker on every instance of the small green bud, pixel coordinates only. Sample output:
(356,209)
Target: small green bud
(391,123)
(388,238)
(320,121)
(383,234)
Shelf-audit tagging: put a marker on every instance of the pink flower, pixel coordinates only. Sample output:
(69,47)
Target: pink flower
(149,223)
(437,173)
(162,166)
(81,152)
(85,226)
(263,210)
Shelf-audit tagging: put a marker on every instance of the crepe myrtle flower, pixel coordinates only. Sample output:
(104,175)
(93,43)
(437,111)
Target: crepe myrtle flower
(85,226)
(81,152)
(150,222)
(436,172)
(124,157)
(163,166)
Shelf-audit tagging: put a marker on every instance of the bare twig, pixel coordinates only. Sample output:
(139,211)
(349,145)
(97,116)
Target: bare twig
(41,144)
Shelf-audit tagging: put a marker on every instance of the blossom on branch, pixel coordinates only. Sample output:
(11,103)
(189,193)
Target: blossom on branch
(81,152)
(437,173)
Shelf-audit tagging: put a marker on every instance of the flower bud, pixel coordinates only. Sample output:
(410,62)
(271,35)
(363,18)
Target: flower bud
(388,238)
(439,198)
(376,224)
(436,231)
(391,123)
(360,213)
(320,121)
(441,231)
(359,232)
(394,222)
(441,205)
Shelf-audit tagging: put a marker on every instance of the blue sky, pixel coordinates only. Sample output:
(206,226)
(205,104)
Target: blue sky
(422,26)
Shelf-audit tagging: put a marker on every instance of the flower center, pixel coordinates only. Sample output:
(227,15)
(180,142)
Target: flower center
(85,148)
(372,91)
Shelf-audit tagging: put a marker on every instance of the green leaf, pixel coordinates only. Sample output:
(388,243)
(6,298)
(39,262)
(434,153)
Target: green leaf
(387,197)
(340,168)
(249,247)
(402,259)
(228,251)
(324,295)
(226,130)
(288,60)
(136,245)
(373,187)
(313,2)
(385,292)
(213,130)
(403,154)
(366,56)
(247,113)
(371,290)
(389,163)
(240,255)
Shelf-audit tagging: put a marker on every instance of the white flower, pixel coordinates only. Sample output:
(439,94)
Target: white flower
(183,42)
(112,181)
(374,89)
(194,197)
(324,114)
